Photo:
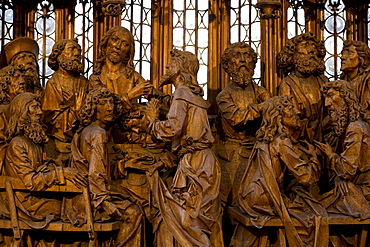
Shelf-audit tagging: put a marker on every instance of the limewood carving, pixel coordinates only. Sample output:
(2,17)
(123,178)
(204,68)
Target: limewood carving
(113,161)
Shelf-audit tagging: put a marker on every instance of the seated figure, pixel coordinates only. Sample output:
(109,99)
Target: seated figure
(280,180)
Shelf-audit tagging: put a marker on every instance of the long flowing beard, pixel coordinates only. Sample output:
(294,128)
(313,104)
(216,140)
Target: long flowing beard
(310,65)
(35,132)
(71,64)
(339,118)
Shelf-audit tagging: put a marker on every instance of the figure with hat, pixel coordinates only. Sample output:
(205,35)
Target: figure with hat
(22,54)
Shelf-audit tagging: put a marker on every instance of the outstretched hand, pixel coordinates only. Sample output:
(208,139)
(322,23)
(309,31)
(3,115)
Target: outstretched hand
(152,109)
(76,177)
(324,147)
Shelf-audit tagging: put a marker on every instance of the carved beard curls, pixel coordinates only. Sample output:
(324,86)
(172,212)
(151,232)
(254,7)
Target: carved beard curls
(70,64)
(242,75)
(35,132)
(339,117)
(310,65)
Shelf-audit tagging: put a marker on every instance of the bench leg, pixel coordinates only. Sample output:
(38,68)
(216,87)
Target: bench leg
(363,236)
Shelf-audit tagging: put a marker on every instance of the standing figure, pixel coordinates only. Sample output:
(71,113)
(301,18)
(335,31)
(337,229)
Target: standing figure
(189,209)
(22,53)
(63,97)
(239,105)
(280,181)
(114,66)
(303,58)
(355,66)
(90,156)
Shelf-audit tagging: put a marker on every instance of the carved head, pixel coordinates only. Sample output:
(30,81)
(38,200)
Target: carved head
(13,80)
(117,45)
(101,104)
(355,55)
(239,61)
(279,115)
(66,54)
(342,104)
(24,118)
(183,67)
(304,53)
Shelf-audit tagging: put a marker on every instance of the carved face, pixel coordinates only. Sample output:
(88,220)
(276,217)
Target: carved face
(306,58)
(290,118)
(17,84)
(338,111)
(118,47)
(34,111)
(70,58)
(104,110)
(24,61)
(241,66)
(172,70)
(350,59)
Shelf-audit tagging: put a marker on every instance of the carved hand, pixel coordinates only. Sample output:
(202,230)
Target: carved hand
(111,209)
(140,89)
(78,178)
(152,110)
(324,147)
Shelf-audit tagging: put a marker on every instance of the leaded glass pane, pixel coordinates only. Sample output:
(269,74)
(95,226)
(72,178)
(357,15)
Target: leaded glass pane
(334,35)
(137,18)
(6,22)
(295,18)
(190,33)
(245,26)
(45,37)
(84,21)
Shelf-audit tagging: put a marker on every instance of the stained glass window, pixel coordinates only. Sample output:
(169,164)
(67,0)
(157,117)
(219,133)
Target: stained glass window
(334,35)
(6,22)
(245,26)
(137,18)
(84,32)
(190,33)
(295,18)
(45,37)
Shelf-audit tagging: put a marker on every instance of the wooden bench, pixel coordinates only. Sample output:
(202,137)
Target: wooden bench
(11,184)
(245,220)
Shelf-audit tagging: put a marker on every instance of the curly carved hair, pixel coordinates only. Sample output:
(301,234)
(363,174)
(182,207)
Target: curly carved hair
(363,52)
(58,48)
(86,115)
(229,52)
(100,60)
(6,73)
(346,93)
(284,59)
(272,118)
(189,66)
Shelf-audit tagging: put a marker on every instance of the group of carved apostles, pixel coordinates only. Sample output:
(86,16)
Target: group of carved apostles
(301,155)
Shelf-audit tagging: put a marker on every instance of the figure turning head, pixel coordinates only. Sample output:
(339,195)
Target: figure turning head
(355,56)
(66,55)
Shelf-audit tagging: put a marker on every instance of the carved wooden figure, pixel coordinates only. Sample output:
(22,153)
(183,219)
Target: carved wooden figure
(22,53)
(302,59)
(189,208)
(63,97)
(239,108)
(280,181)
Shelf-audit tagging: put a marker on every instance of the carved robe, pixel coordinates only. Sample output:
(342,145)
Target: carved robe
(264,195)
(240,119)
(24,160)
(307,99)
(90,155)
(190,210)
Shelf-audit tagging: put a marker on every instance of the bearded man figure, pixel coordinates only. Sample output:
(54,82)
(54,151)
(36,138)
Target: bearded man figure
(63,97)
(348,162)
(302,59)
(239,106)
(22,53)
(281,174)
(25,160)
(189,209)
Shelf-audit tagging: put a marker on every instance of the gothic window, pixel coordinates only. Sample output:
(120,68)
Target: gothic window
(6,22)
(245,26)
(45,37)
(137,18)
(84,32)
(190,33)
(334,35)
(295,18)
